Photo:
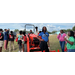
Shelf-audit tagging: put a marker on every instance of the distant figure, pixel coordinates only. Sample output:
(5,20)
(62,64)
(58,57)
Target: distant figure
(1,39)
(61,37)
(30,32)
(11,41)
(70,42)
(36,32)
(20,41)
(6,37)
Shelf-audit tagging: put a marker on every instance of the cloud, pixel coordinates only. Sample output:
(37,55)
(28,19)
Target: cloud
(50,26)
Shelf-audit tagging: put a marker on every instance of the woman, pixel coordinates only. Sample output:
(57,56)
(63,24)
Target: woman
(70,42)
(44,35)
(6,37)
(19,41)
(61,37)
(1,39)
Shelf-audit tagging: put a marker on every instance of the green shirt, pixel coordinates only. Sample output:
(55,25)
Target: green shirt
(69,46)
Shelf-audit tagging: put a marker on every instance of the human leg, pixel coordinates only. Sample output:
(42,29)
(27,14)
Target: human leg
(9,46)
(63,45)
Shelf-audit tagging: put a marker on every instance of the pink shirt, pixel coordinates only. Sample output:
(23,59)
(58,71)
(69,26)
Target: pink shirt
(61,38)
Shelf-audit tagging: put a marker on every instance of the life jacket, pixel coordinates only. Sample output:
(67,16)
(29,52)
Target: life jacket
(24,38)
(11,36)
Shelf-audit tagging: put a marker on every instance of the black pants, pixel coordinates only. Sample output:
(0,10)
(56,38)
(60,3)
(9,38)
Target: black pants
(44,46)
(20,44)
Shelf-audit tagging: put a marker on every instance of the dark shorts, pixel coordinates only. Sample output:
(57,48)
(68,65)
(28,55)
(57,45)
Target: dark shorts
(19,42)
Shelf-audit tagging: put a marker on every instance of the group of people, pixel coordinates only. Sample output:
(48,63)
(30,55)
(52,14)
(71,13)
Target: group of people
(43,40)
(68,39)
(63,38)
(5,37)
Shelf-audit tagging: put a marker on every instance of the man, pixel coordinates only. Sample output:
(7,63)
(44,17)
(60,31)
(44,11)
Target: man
(30,32)
(11,40)
(6,37)
(1,39)
(44,35)
(36,32)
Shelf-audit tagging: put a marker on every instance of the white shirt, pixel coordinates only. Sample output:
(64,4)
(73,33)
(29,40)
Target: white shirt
(36,33)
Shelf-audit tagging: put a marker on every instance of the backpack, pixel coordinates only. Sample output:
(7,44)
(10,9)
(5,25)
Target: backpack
(0,34)
(11,36)
(16,39)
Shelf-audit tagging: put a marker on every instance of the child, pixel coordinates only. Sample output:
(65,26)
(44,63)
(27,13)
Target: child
(70,42)
(23,40)
(1,39)
(11,40)
(19,41)
(6,37)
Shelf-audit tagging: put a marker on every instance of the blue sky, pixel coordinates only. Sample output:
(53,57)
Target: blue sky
(50,26)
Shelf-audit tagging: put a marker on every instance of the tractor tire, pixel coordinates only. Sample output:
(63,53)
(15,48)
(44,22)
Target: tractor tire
(25,47)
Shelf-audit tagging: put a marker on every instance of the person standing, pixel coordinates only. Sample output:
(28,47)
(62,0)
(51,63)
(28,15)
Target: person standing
(6,37)
(1,39)
(61,37)
(36,32)
(11,41)
(23,40)
(30,32)
(70,42)
(44,39)
(20,41)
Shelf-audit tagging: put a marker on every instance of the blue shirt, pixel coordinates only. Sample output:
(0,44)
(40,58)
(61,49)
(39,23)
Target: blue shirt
(19,36)
(44,36)
(6,35)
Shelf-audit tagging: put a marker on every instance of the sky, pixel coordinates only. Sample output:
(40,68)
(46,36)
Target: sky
(50,26)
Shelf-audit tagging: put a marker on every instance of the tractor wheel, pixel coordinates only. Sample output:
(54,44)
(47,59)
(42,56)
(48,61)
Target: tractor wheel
(25,47)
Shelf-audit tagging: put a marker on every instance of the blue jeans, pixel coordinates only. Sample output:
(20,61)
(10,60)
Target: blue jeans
(71,50)
(62,44)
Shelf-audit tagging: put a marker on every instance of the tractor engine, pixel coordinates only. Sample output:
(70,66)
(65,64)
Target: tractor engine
(33,40)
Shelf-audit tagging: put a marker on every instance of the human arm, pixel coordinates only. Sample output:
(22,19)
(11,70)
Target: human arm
(38,37)
(58,36)
(1,36)
(48,43)
(70,42)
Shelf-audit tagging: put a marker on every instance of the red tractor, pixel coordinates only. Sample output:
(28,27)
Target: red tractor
(31,43)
